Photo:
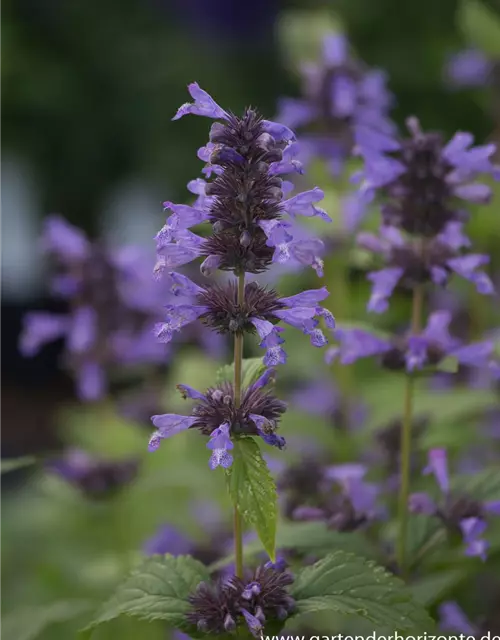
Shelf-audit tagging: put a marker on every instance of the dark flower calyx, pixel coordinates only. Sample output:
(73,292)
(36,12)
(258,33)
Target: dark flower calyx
(395,358)
(418,263)
(245,193)
(262,597)
(420,197)
(458,508)
(219,407)
(226,315)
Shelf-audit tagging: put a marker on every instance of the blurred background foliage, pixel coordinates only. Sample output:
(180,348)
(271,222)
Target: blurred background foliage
(89,90)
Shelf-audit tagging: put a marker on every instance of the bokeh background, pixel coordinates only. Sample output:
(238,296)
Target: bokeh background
(89,90)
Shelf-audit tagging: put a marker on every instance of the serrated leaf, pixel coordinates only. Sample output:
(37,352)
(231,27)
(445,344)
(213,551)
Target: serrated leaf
(16,463)
(310,538)
(432,588)
(252,369)
(352,586)
(252,489)
(156,590)
(28,623)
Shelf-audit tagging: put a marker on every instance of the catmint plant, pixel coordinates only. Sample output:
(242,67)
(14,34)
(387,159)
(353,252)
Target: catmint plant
(421,184)
(250,227)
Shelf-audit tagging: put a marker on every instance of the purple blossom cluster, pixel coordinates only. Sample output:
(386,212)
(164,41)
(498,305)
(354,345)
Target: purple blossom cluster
(341,103)
(250,226)
(458,512)
(112,306)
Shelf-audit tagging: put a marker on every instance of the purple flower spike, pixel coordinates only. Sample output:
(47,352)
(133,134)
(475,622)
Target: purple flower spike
(420,183)
(438,465)
(342,104)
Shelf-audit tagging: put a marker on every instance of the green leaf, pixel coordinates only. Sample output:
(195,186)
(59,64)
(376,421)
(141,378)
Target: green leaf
(448,365)
(352,586)
(432,588)
(425,535)
(16,463)
(484,485)
(252,369)
(252,489)
(310,537)
(28,623)
(157,590)
(481,26)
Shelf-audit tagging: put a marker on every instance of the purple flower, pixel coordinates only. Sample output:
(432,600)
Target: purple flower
(348,510)
(258,599)
(114,304)
(469,68)
(95,477)
(321,397)
(168,539)
(245,157)
(218,308)
(452,618)
(458,512)
(215,415)
(340,98)
(413,352)
(423,179)
(432,260)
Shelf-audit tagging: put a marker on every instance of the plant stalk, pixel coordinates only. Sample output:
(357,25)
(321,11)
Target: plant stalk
(405,455)
(238,365)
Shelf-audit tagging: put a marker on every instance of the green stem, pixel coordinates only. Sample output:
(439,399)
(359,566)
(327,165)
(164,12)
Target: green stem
(238,365)
(404,491)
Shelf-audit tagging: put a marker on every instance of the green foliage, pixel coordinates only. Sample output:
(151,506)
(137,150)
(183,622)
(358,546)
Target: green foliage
(16,463)
(252,369)
(353,586)
(431,588)
(252,489)
(156,590)
(481,26)
(29,622)
(310,538)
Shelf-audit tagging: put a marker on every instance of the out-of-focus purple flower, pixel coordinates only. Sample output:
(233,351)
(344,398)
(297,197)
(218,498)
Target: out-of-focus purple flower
(354,507)
(340,100)
(114,303)
(95,477)
(168,539)
(413,352)
(422,181)
(409,264)
(215,415)
(469,68)
(218,308)
(245,200)
(322,398)
(459,513)
(452,618)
